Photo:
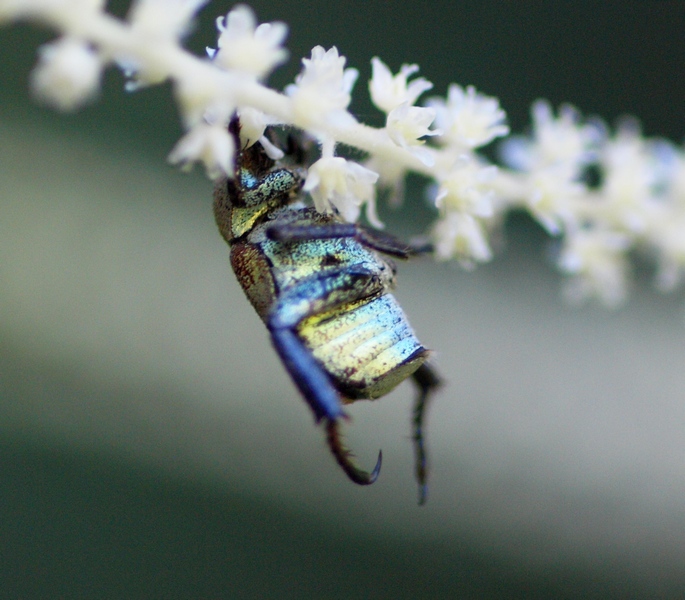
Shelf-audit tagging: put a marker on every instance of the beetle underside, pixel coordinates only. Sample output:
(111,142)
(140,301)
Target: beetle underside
(322,287)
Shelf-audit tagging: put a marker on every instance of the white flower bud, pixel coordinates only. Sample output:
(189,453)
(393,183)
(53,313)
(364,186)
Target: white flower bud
(406,124)
(343,184)
(209,144)
(551,198)
(254,51)
(253,123)
(67,74)
(322,89)
(467,188)
(201,100)
(596,260)
(461,236)
(388,92)
(468,119)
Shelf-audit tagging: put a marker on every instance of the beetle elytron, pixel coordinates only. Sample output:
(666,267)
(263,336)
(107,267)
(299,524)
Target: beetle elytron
(321,286)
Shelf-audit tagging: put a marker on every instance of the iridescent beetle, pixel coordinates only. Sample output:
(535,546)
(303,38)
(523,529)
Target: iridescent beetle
(322,286)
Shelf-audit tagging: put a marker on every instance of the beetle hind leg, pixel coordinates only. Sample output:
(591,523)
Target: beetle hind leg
(344,457)
(322,398)
(427,381)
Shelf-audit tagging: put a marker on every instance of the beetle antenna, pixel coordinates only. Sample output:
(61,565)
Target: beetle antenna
(344,458)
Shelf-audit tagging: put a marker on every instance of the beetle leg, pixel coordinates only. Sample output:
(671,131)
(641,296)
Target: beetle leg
(344,458)
(294,232)
(377,240)
(323,399)
(427,381)
(310,297)
(389,244)
(322,292)
(310,378)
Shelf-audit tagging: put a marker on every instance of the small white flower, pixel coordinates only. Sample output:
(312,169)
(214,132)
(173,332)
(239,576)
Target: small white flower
(665,235)
(461,236)
(630,178)
(335,182)
(468,119)
(67,74)
(553,159)
(200,99)
(388,92)
(467,188)
(322,89)
(595,258)
(677,177)
(564,139)
(254,51)
(552,198)
(406,124)
(253,123)
(209,144)
(666,223)
(164,18)
(670,248)
(668,177)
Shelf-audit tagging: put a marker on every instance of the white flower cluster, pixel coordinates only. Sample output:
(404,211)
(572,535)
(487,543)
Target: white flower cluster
(601,195)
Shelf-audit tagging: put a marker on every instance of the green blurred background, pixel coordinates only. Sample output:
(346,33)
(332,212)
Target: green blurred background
(151,445)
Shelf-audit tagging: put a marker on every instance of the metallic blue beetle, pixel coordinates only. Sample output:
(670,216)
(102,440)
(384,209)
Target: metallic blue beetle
(322,286)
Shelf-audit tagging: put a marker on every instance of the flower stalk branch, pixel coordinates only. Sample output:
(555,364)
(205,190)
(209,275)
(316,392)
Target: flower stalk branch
(637,204)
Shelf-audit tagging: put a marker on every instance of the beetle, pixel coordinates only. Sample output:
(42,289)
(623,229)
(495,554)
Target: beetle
(322,288)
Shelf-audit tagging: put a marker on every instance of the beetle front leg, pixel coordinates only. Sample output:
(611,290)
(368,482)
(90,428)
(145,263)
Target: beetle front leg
(427,381)
(377,240)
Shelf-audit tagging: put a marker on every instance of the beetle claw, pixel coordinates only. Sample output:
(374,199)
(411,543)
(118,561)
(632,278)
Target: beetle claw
(344,458)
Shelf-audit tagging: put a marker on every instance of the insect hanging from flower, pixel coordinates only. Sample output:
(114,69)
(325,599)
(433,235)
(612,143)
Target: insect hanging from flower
(322,287)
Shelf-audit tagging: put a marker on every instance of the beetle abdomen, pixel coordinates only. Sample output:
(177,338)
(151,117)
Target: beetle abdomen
(367,347)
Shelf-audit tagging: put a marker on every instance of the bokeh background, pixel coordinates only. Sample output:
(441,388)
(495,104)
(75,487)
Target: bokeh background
(152,446)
